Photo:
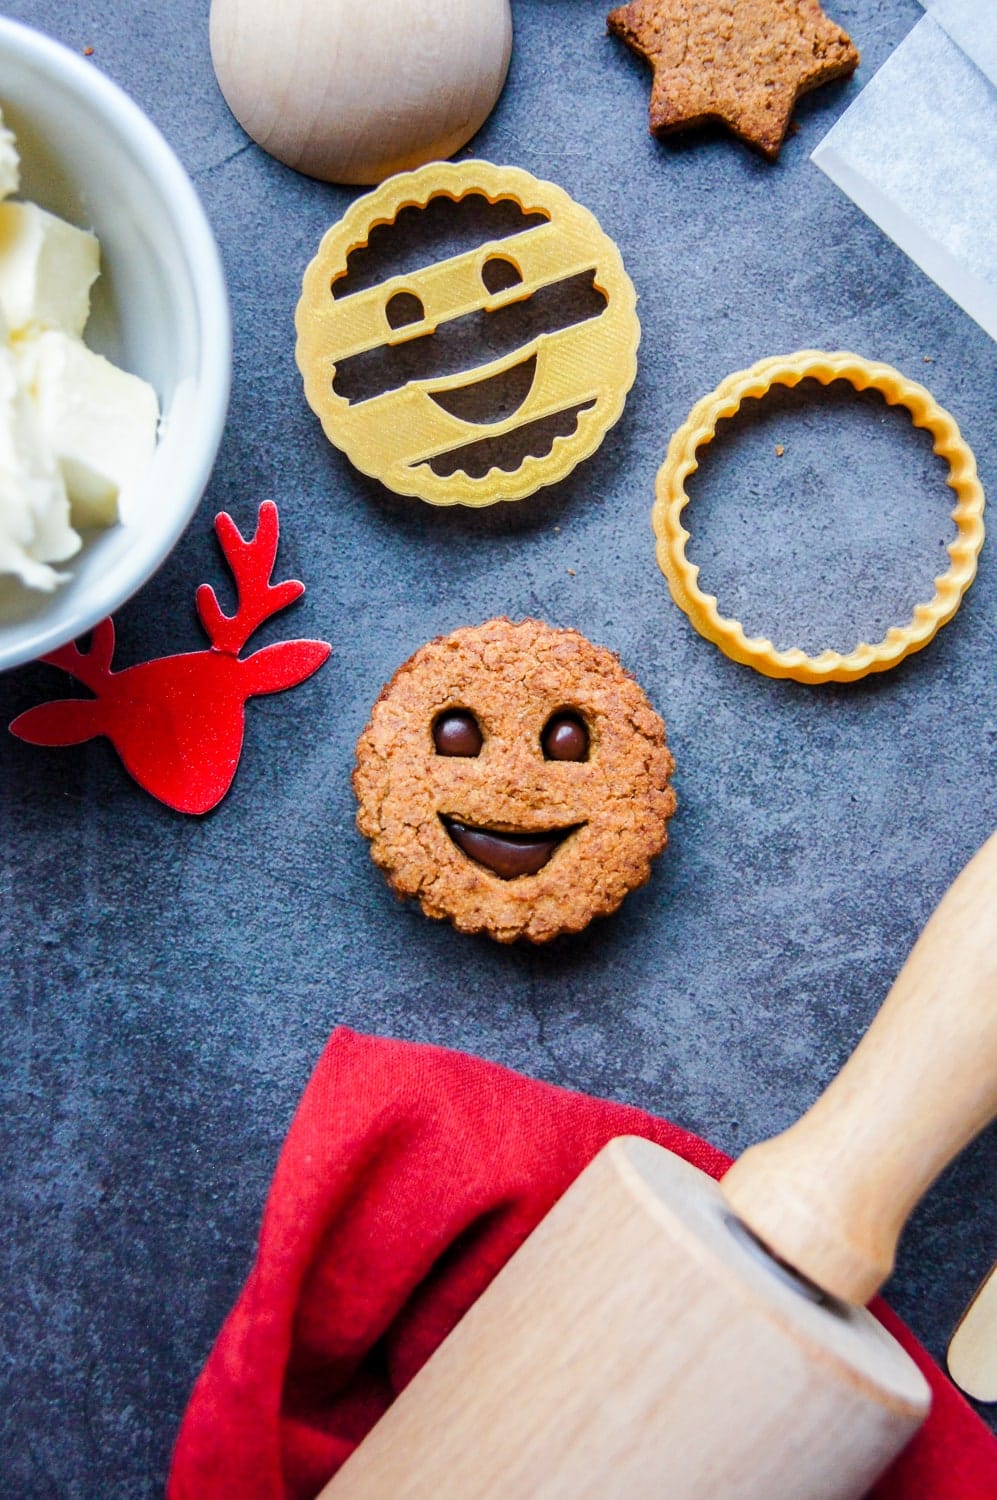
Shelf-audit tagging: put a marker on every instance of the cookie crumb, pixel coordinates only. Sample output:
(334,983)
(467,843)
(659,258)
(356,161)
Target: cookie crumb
(88,52)
(779,450)
(571,572)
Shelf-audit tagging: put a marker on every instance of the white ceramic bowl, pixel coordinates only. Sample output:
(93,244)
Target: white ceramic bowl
(159,308)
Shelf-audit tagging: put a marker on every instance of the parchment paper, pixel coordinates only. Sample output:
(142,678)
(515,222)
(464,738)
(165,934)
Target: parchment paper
(917,151)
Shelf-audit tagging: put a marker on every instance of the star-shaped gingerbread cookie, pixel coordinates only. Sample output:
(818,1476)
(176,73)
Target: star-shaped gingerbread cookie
(742,62)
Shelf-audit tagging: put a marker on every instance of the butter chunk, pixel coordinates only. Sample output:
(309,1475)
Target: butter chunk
(47,268)
(10,161)
(35,525)
(99,422)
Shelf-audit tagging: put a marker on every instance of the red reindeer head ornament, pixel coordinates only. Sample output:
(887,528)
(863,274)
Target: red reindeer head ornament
(177,722)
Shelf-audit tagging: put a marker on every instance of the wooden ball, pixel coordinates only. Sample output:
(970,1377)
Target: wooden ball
(352,93)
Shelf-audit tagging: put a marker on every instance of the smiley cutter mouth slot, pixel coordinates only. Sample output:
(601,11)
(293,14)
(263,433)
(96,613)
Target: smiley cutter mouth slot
(507,855)
(492,399)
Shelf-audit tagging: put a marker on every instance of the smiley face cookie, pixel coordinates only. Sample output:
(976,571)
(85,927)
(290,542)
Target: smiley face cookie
(466,378)
(514,778)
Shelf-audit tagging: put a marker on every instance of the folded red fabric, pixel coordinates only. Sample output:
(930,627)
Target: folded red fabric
(409,1176)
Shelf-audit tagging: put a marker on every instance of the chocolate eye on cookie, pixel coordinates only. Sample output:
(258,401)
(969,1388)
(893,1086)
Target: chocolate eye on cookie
(565,737)
(456,732)
(561,817)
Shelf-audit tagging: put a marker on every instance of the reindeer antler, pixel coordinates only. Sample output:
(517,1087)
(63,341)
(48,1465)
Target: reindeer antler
(251,563)
(91,667)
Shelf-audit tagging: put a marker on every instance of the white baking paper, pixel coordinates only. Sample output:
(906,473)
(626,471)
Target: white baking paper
(917,151)
(972,25)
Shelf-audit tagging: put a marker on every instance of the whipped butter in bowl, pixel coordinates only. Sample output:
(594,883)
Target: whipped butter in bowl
(115,346)
(76,433)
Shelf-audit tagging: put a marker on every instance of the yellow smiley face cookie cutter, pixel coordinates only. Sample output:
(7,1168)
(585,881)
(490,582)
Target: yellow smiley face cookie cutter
(699,429)
(397,436)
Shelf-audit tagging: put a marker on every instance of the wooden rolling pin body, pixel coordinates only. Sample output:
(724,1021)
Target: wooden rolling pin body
(642,1344)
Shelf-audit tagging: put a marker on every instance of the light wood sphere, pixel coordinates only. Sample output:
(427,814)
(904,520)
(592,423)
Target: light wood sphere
(353,93)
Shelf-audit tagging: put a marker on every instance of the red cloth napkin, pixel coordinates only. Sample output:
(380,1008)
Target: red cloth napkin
(409,1176)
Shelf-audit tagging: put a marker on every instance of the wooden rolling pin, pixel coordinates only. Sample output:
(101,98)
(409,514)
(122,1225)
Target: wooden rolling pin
(643,1343)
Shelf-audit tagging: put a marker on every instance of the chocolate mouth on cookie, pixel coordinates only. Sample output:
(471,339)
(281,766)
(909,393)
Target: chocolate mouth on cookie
(507,855)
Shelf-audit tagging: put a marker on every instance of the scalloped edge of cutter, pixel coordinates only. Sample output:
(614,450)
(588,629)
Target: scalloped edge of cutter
(700,428)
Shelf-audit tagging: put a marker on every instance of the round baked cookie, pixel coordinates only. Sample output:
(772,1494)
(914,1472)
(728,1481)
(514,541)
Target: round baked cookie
(515,779)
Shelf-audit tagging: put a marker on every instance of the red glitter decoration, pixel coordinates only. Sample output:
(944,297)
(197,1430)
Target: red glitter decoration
(178,722)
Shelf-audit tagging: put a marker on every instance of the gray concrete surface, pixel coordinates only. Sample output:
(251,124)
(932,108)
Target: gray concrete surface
(168,983)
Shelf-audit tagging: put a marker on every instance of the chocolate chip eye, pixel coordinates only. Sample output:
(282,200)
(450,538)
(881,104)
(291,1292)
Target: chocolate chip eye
(565,737)
(456,732)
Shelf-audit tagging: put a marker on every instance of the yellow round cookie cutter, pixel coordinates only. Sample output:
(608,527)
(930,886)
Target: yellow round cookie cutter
(671,499)
(395,436)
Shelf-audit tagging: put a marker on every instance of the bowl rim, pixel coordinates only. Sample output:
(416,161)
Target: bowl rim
(150,150)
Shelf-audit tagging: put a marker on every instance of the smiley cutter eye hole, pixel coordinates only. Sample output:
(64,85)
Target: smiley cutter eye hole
(456,732)
(404,308)
(498,274)
(565,736)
